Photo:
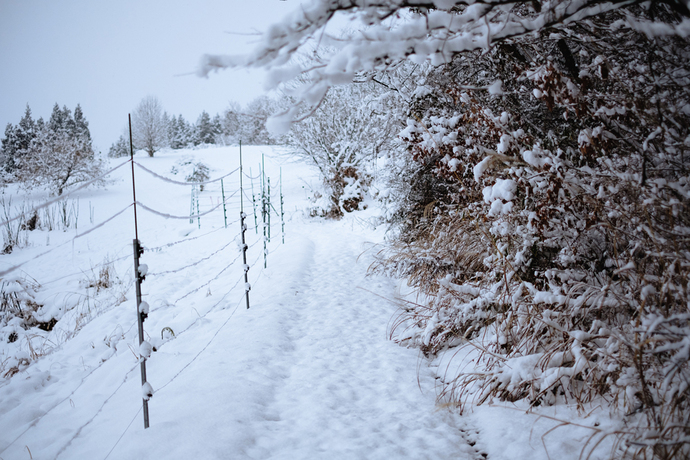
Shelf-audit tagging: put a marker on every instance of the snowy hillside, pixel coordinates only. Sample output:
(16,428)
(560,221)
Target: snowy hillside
(307,372)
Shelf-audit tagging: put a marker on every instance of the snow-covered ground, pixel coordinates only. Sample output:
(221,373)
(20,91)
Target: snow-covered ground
(307,372)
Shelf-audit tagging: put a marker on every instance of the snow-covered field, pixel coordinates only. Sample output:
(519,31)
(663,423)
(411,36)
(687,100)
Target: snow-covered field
(307,372)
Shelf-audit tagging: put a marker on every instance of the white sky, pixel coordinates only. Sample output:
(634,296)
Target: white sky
(107,56)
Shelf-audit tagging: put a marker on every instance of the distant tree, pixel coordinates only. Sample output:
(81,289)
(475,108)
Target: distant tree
(81,126)
(179,133)
(166,122)
(343,138)
(60,155)
(26,130)
(186,132)
(40,124)
(61,120)
(17,140)
(217,128)
(119,148)
(204,133)
(148,125)
(9,147)
(230,123)
(253,121)
(172,133)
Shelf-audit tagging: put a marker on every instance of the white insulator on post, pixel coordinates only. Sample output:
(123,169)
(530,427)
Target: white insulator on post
(145,350)
(146,391)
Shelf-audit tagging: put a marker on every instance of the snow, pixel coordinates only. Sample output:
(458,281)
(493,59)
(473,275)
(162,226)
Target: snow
(145,349)
(481,167)
(496,87)
(306,372)
(503,189)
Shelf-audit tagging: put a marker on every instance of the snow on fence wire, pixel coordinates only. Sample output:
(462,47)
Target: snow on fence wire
(142,270)
(67,194)
(145,347)
(244,247)
(77,236)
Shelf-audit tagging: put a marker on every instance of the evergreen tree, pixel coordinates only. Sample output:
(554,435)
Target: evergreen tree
(70,125)
(166,130)
(25,131)
(9,147)
(57,121)
(81,126)
(217,127)
(179,133)
(119,148)
(185,132)
(204,132)
(40,125)
(172,133)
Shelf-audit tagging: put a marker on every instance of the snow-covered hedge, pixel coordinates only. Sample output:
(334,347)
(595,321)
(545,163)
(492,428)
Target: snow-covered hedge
(549,224)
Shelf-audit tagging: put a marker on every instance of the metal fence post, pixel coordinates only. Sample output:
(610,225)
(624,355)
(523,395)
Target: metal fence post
(222,192)
(245,267)
(142,308)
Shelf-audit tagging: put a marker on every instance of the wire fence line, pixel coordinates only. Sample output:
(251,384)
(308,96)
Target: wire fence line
(65,195)
(241,299)
(188,363)
(171,181)
(150,209)
(183,240)
(211,280)
(193,264)
(231,199)
(171,216)
(81,272)
(54,248)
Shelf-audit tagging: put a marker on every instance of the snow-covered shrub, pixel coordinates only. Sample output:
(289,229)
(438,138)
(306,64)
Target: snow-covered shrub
(35,318)
(343,138)
(193,171)
(548,221)
(198,174)
(24,218)
(568,176)
(17,300)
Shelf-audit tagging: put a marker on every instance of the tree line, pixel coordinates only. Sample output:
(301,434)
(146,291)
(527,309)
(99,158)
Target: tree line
(57,153)
(154,129)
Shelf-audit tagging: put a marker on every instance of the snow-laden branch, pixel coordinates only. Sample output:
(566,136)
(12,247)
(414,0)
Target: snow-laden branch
(393,30)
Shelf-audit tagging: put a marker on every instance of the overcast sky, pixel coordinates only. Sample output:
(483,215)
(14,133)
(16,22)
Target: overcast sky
(107,56)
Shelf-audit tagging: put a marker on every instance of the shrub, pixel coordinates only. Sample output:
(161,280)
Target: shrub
(548,224)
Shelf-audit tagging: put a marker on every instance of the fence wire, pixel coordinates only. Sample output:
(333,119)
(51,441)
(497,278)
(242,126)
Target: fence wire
(232,289)
(171,181)
(62,197)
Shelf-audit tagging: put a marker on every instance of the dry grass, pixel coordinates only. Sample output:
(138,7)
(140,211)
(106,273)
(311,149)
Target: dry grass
(608,337)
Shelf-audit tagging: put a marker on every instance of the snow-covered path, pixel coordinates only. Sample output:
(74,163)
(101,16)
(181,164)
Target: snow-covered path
(346,391)
(306,373)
